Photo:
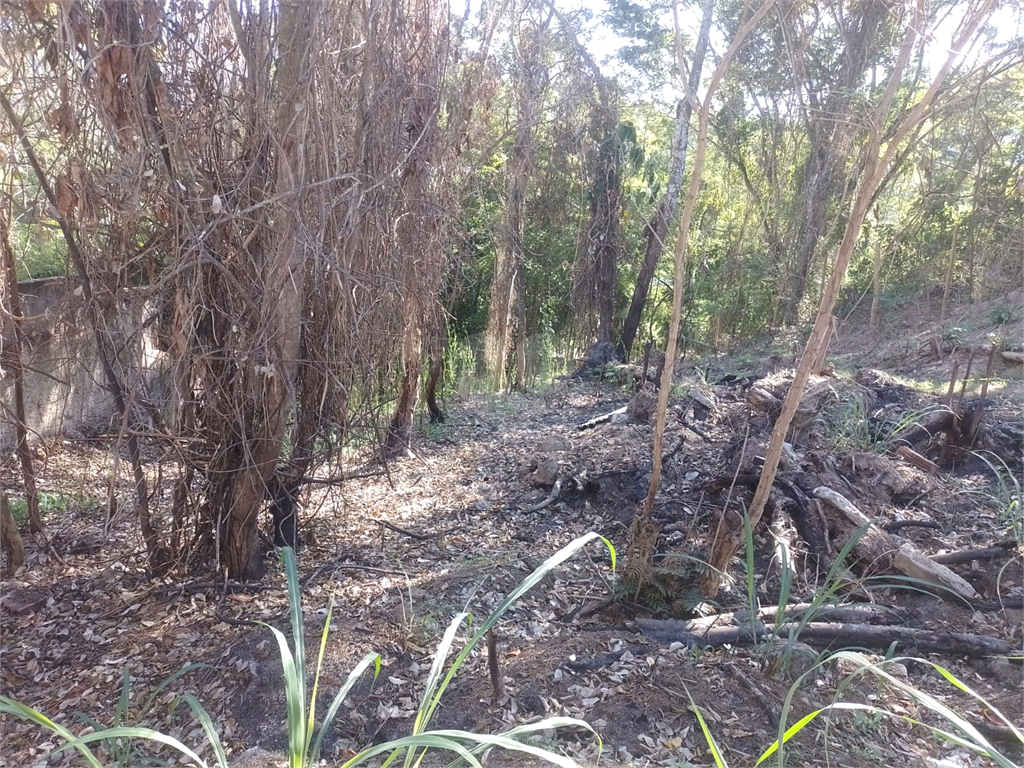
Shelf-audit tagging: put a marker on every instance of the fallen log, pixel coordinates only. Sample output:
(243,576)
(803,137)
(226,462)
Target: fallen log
(881,552)
(835,637)
(830,614)
(913,457)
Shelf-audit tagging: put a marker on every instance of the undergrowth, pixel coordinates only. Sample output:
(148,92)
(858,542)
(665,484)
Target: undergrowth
(305,731)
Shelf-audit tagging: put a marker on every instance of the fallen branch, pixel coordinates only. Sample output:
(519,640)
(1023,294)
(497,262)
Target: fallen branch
(897,525)
(403,531)
(1002,549)
(555,489)
(913,457)
(834,637)
(876,546)
(597,420)
(607,659)
(830,614)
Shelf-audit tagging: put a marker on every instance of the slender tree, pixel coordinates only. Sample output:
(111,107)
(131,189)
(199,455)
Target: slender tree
(656,231)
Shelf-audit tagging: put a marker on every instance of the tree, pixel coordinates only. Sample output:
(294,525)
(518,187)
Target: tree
(656,231)
(643,533)
(889,124)
(506,321)
(262,200)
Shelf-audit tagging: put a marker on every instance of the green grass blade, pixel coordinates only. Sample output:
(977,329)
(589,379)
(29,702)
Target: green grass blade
(295,609)
(121,708)
(169,680)
(484,743)
(985,748)
(293,694)
(436,669)
(211,732)
(434,697)
(716,753)
(790,732)
(954,680)
(311,718)
(547,723)
(339,697)
(135,732)
(11,707)
(410,743)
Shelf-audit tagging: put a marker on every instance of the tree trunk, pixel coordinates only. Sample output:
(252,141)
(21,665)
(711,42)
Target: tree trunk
(507,313)
(400,429)
(829,124)
(272,381)
(10,539)
(10,358)
(876,284)
(657,228)
(948,282)
(643,533)
(420,229)
(433,381)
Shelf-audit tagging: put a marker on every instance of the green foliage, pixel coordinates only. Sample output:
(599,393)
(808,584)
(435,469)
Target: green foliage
(51,503)
(958,730)
(39,250)
(1002,314)
(126,753)
(304,739)
(954,334)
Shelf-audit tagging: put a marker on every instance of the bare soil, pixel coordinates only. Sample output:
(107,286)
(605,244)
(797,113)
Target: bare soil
(461,520)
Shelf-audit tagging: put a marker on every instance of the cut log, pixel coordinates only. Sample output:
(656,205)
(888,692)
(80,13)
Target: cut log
(913,457)
(881,551)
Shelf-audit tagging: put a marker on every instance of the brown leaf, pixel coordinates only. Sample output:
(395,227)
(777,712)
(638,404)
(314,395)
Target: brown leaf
(67,200)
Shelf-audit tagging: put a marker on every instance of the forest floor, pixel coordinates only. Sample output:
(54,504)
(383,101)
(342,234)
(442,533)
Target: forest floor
(470,512)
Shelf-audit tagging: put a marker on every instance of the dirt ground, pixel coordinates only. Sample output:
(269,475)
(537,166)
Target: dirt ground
(471,511)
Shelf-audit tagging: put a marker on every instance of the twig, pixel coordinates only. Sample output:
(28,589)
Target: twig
(896,525)
(403,531)
(1002,549)
(551,497)
(769,710)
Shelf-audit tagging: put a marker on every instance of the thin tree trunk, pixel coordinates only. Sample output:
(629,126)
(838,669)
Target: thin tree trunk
(657,228)
(433,382)
(10,538)
(876,284)
(506,318)
(643,534)
(10,358)
(948,281)
(400,429)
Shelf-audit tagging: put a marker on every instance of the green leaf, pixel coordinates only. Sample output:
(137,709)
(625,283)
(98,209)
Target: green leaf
(211,732)
(339,697)
(11,707)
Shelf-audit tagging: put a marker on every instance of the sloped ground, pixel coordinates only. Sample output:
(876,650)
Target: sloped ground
(454,527)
